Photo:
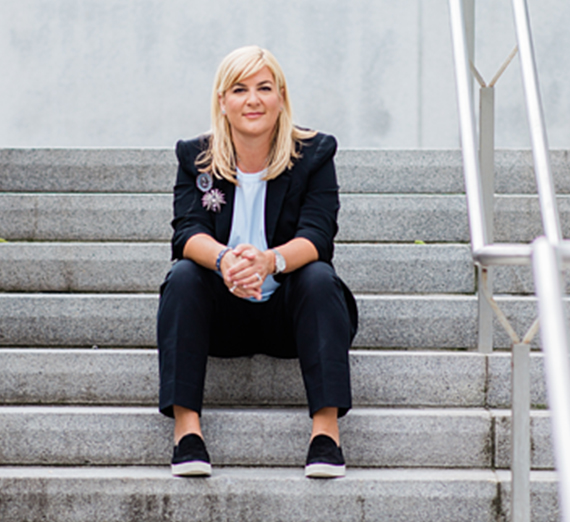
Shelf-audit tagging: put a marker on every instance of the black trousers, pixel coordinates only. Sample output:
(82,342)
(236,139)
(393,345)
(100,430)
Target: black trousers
(306,317)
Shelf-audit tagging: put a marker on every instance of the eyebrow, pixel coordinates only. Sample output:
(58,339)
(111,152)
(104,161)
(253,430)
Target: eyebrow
(257,85)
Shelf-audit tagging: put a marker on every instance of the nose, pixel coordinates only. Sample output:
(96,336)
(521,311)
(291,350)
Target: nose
(252,97)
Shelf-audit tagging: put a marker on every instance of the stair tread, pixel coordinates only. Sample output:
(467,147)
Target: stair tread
(265,473)
(109,376)
(267,495)
(140,267)
(153,169)
(372,437)
(362,217)
(402,321)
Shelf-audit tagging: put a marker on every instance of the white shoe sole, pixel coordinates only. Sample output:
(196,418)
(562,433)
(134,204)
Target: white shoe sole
(196,468)
(324,471)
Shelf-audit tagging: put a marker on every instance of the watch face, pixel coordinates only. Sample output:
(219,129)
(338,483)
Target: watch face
(279,262)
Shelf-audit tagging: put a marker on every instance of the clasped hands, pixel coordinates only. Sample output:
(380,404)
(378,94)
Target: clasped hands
(245,268)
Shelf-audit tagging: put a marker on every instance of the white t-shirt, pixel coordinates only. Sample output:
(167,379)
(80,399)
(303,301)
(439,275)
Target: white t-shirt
(248,223)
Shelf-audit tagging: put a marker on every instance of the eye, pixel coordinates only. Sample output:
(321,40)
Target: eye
(266,88)
(238,90)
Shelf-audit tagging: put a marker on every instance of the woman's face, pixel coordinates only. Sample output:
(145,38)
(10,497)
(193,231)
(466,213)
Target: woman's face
(252,106)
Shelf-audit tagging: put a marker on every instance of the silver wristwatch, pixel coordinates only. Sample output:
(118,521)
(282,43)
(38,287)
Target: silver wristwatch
(280,264)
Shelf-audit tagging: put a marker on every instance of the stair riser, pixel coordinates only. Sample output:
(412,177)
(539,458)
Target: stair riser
(140,267)
(146,217)
(129,320)
(130,377)
(258,496)
(371,438)
(541,441)
(435,322)
(154,170)
(123,267)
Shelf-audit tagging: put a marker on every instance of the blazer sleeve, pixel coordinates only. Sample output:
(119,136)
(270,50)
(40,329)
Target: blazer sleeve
(190,217)
(319,210)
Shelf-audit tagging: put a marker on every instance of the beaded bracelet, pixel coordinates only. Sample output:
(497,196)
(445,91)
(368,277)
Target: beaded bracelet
(222,253)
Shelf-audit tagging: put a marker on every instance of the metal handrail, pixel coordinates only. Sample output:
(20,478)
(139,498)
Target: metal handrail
(482,254)
(546,269)
(485,254)
(543,172)
(467,129)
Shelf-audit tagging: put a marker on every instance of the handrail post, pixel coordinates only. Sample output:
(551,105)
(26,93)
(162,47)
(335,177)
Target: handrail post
(554,340)
(487,166)
(520,434)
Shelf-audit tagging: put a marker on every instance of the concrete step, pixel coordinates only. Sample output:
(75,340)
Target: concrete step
(140,267)
(387,321)
(378,378)
(363,217)
(154,170)
(371,437)
(151,494)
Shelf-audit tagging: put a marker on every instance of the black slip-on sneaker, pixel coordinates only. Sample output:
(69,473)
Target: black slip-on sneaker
(191,458)
(325,459)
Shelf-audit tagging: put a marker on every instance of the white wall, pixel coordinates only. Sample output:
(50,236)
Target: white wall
(376,73)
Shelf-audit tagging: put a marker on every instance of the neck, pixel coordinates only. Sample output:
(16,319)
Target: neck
(252,154)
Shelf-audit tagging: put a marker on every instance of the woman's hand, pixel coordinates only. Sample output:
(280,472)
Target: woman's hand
(245,268)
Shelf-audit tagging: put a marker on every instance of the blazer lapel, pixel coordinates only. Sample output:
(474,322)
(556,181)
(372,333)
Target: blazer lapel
(276,190)
(223,218)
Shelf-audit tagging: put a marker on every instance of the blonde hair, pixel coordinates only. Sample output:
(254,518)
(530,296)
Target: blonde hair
(220,157)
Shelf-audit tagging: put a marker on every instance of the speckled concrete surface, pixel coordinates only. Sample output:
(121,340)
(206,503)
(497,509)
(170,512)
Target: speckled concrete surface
(371,437)
(86,217)
(87,170)
(362,217)
(150,494)
(140,267)
(389,321)
(379,378)
(414,409)
(540,439)
(499,381)
(130,377)
(358,171)
(255,495)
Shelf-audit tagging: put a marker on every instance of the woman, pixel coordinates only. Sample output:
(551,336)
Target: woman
(255,208)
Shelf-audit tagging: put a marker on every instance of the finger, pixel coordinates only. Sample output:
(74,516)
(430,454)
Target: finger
(246,251)
(248,293)
(243,276)
(238,291)
(250,254)
(245,293)
(239,249)
(257,295)
(243,247)
(242,264)
(254,281)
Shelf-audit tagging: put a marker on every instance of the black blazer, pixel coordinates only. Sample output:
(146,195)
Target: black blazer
(301,202)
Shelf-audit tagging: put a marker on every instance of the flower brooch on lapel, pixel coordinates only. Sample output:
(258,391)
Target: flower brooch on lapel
(213,198)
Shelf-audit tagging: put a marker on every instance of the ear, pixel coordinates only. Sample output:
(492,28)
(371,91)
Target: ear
(222,103)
